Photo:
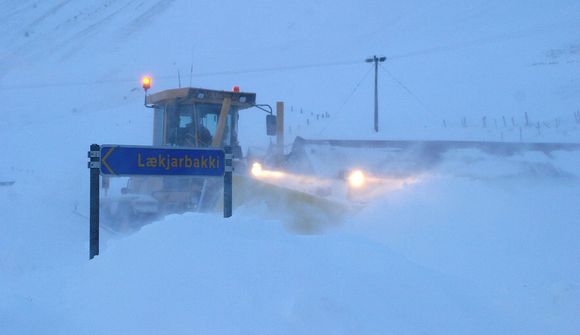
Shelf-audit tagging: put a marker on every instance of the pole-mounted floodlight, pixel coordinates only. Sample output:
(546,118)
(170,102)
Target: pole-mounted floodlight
(376,60)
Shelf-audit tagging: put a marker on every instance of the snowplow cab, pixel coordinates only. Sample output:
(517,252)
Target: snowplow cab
(183,117)
(197,117)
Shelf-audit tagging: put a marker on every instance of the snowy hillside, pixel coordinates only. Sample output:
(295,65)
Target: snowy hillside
(445,61)
(478,245)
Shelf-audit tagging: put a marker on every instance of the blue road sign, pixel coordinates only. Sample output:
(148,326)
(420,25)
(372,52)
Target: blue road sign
(119,160)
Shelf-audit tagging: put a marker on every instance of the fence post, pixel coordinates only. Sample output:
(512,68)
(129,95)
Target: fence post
(527,120)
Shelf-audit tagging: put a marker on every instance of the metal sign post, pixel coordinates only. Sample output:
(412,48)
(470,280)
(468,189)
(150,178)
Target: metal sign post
(228,182)
(94,166)
(123,160)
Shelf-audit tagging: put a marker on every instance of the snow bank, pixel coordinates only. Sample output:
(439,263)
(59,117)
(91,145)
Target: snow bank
(201,274)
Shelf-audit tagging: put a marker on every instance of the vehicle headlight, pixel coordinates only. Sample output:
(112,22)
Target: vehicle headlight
(356,179)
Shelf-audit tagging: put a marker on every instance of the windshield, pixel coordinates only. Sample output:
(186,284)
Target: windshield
(195,125)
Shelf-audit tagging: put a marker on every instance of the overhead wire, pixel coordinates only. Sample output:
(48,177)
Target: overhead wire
(404,87)
(341,107)
(201,74)
(420,101)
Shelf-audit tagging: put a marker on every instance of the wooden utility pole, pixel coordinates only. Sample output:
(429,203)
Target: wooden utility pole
(376,60)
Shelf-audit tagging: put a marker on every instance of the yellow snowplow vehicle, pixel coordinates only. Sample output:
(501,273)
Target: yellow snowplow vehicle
(184,117)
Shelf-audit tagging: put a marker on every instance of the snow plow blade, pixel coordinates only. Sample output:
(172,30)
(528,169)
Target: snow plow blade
(300,211)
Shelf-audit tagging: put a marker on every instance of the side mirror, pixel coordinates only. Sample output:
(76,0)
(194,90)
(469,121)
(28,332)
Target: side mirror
(237,151)
(271,124)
